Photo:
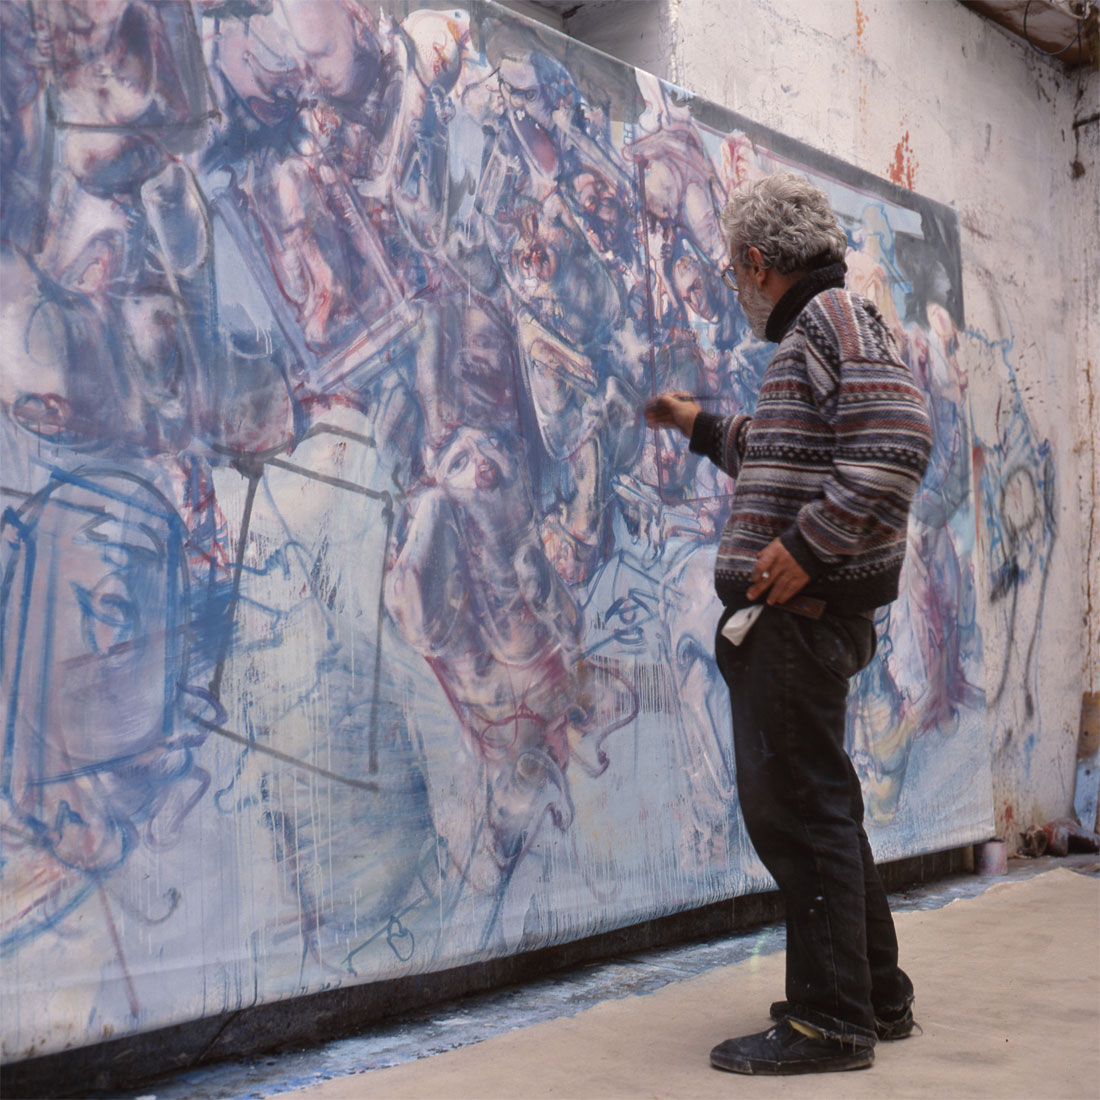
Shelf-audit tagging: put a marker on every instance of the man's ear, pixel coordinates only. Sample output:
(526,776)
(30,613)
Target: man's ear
(760,270)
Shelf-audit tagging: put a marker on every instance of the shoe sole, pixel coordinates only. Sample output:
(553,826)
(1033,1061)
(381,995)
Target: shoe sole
(860,1059)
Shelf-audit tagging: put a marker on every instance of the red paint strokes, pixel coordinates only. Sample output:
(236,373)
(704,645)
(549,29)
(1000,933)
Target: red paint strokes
(859,50)
(904,169)
(131,992)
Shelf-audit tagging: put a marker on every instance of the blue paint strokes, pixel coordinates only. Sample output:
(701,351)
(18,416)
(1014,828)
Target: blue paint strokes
(1016,487)
(98,560)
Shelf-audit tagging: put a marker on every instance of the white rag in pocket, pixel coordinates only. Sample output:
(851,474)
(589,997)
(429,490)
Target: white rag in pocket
(740,622)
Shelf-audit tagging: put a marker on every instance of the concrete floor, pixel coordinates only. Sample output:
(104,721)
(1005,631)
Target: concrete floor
(1007,971)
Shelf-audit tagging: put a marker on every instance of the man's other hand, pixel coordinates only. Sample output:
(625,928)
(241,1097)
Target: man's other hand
(672,410)
(777,575)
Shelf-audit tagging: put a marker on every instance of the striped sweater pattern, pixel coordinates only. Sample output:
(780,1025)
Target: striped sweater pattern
(828,462)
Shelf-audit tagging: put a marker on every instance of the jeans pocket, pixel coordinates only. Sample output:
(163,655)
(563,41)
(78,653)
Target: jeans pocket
(844,645)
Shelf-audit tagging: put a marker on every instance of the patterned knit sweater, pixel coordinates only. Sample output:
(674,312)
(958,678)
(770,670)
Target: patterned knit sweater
(832,456)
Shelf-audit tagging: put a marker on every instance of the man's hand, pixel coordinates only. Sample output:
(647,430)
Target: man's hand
(672,410)
(777,574)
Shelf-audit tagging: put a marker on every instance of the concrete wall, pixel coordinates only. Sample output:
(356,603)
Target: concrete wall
(940,101)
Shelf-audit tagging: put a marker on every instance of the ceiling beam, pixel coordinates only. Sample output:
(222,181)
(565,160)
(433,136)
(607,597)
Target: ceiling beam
(1063,29)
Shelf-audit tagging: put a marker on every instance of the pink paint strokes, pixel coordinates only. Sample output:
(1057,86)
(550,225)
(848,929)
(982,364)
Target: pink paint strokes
(904,169)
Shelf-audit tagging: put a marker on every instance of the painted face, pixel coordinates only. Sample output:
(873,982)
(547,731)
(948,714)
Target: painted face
(601,208)
(475,462)
(536,261)
(519,84)
(342,54)
(102,647)
(692,285)
(486,366)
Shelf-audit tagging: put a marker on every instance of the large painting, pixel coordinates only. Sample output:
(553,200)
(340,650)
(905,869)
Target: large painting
(353,624)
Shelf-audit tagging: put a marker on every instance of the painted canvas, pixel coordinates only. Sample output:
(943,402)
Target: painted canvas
(353,624)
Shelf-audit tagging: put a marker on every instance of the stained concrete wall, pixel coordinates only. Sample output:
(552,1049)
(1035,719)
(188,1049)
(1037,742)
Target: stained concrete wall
(943,102)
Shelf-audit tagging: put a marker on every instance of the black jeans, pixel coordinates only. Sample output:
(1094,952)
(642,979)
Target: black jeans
(803,807)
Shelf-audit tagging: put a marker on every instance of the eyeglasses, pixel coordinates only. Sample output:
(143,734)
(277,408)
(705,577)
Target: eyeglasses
(729,275)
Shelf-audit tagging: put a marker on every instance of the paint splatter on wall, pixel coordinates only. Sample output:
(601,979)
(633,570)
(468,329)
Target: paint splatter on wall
(353,626)
(903,168)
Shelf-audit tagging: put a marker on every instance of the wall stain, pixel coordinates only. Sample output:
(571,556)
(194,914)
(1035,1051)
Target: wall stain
(903,171)
(861,26)
(860,51)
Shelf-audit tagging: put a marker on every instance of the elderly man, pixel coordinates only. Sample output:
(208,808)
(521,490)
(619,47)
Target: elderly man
(824,471)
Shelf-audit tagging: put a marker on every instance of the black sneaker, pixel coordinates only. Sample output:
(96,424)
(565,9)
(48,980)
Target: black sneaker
(783,1050)
(894,1027)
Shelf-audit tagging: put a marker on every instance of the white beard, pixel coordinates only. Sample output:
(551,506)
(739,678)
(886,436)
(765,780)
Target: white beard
(757,308)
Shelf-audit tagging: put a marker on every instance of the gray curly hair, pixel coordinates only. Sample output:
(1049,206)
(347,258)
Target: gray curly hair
(788,219)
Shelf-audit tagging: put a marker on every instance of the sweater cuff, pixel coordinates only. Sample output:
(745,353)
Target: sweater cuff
(704,434)
(799,549)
